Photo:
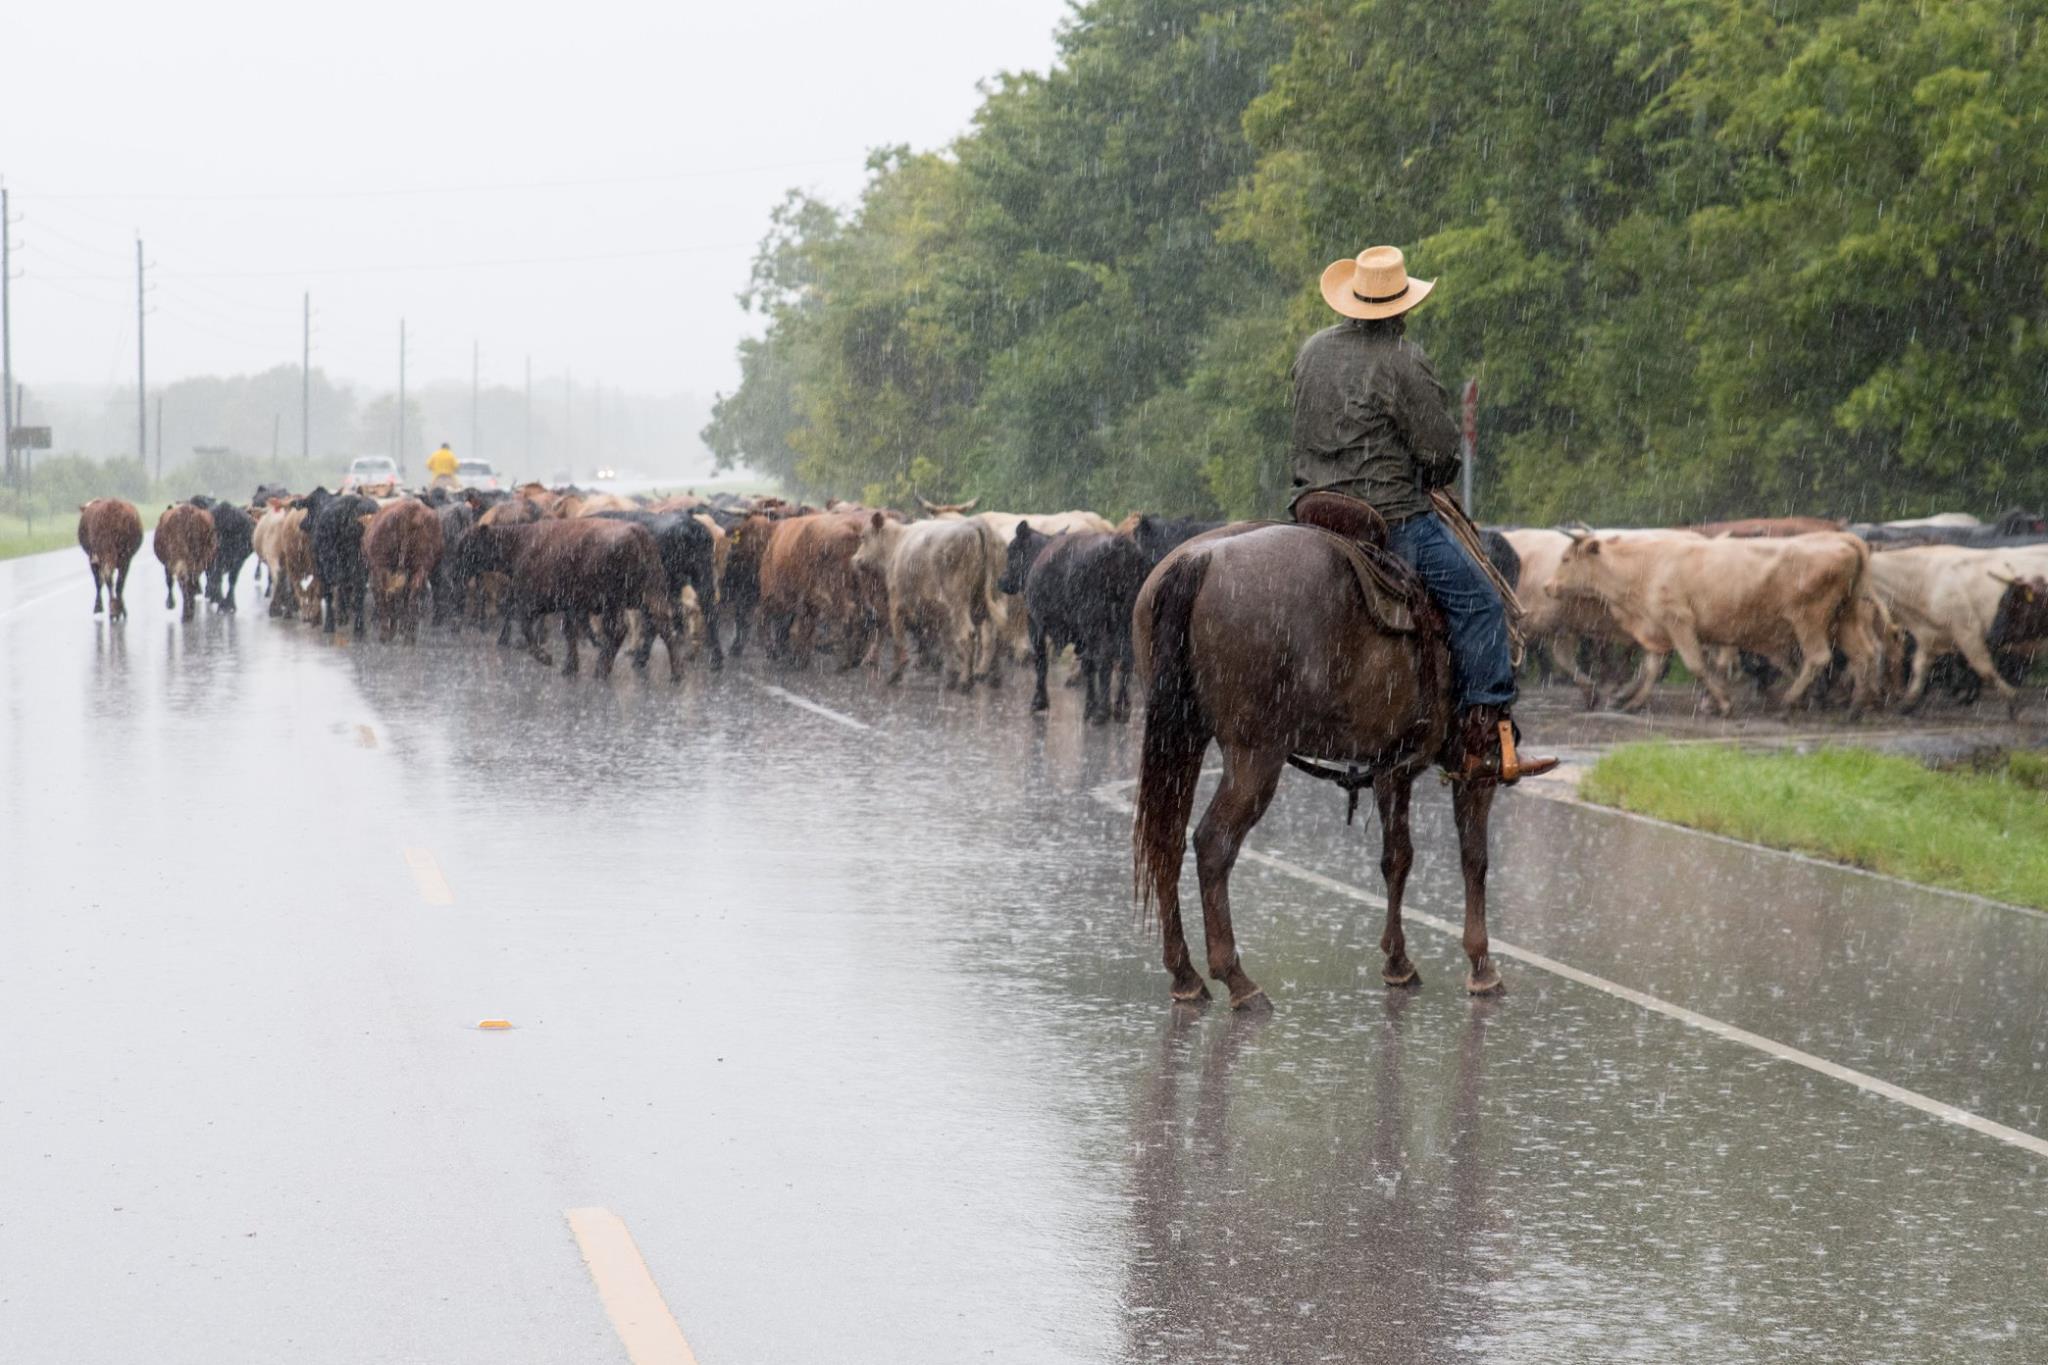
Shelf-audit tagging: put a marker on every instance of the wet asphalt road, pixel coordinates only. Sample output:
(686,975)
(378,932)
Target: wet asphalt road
(841,1008)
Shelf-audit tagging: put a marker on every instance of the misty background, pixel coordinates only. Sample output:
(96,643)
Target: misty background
(578,193)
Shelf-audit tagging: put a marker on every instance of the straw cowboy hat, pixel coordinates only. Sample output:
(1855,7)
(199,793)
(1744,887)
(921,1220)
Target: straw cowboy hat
(1374,284)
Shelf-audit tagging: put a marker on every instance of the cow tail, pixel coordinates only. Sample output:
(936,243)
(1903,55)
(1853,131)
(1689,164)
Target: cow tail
(1177,734)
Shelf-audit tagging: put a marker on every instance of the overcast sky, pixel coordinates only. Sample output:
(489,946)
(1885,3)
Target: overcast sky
(441,162)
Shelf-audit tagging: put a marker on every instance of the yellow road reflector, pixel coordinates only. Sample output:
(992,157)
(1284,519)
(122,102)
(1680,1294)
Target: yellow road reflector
(646,1328)
(494,1023)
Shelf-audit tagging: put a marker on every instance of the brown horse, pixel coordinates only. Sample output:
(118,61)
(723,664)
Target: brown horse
(1258,636)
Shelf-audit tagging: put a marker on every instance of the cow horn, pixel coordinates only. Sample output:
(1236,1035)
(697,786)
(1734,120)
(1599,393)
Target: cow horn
(2002,578)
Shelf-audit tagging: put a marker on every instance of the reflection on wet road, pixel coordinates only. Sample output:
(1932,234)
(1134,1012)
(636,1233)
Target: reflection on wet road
(842,1008)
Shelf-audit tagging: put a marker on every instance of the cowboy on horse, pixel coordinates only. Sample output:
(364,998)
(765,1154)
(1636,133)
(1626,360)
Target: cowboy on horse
(1362,635)
(1370,422)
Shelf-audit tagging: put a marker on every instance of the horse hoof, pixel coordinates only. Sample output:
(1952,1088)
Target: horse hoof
(1197,994)
(1402,975)
(1255,1003)
(1487,982)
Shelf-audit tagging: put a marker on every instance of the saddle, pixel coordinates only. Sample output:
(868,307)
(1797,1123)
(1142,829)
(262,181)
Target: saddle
(1394,594)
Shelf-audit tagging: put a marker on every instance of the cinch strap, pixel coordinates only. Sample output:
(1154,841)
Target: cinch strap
(1383,298)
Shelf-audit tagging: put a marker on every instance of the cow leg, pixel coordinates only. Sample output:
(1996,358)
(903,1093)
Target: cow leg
(227,603)
(1814,656)
(170,589)
(1096,709)
(1390,792)
(192,594)
(898,637)
(1916,682)
(1472,807)
(97,605)
(1978,655)
(1640,688)
(1695,657)
(1040,659)
(707,608)
(119,591)
(614,623)
(575,624)
(962,646)
(1126,660)
(1249,780)
(361,605)
(803,636)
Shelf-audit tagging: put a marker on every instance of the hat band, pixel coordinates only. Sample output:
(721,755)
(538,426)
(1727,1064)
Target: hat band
(1380,298)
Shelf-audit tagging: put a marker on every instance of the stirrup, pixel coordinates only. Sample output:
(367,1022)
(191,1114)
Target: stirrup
(1512,769)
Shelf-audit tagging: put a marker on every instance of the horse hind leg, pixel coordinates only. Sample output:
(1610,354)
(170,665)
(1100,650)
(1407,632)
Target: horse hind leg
(1397,855)
(1250,778)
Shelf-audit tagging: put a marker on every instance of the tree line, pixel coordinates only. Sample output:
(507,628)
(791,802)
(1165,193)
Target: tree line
(1705,258)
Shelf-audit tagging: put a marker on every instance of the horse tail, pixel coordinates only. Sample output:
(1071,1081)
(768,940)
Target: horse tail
(1177,734)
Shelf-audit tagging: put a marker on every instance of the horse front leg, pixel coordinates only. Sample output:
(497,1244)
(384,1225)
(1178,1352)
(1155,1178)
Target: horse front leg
(1472,805)
(1390,793)
(1249,780)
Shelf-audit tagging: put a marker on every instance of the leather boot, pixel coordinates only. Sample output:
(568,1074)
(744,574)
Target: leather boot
(1488,737)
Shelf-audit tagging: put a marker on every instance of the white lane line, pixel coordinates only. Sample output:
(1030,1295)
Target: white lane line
(639,1314)
(782,694)
(1110,794)
(426,874)
(35,601)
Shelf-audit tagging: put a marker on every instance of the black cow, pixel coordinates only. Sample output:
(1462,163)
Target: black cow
(234,539)
(2010,529)
(1155,536)
(1502,556)
(686,549)
(456,519)
(334,525)
(1080,588)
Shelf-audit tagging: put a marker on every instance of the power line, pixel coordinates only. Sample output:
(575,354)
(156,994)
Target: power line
(407,191)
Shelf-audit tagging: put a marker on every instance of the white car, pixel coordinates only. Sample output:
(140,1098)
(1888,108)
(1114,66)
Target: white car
(369,471)
(476,474)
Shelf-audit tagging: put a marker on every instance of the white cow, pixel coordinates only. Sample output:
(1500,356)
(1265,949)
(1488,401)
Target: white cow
(939,581)
(1946,597)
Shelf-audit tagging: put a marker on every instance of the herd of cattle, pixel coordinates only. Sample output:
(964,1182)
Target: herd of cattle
(1879,609)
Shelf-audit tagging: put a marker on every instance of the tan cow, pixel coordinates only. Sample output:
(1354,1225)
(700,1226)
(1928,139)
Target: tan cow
(1947,597)
(1769,597)
(281,544)
(938,579)
(1560,624)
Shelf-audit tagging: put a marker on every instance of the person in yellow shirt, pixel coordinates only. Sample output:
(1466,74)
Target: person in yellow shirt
(441,464)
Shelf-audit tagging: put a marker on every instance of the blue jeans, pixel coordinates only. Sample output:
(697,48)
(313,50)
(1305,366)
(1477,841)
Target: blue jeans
(1478,621)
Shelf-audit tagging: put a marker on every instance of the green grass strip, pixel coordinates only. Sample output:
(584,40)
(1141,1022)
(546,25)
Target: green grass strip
(1981,832)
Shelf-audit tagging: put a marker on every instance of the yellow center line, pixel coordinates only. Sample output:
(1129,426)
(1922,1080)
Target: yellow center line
(426,873)
(645,1326)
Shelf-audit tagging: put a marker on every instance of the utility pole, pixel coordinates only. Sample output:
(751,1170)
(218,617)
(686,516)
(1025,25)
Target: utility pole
(398,452)
(7,330)
(475,446)
(141,369)
(568,419)
(306,382)
(529,417)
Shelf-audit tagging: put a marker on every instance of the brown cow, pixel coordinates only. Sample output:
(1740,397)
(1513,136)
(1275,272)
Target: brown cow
(808,579)
(580,567)
(110,532)
(1765,528)
(402,548)
(184,543)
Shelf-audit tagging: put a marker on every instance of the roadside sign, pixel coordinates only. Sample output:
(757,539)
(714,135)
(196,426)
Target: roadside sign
(29,438)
